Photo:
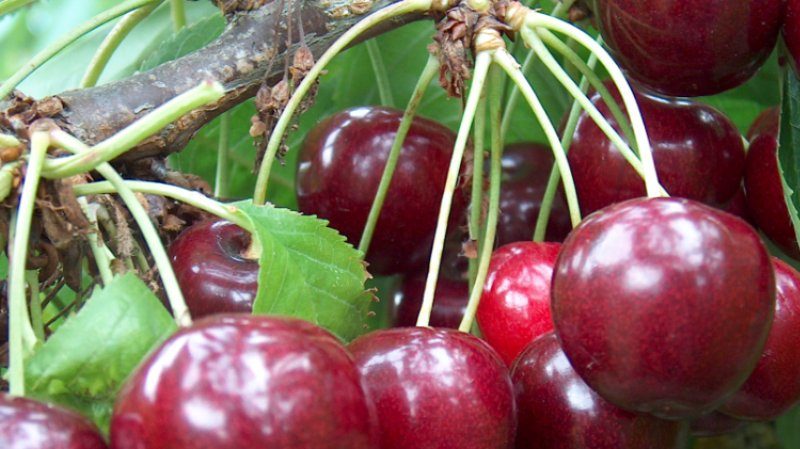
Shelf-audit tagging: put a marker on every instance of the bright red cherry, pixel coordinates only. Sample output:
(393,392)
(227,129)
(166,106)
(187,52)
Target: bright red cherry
(791,31)
(526,170)
(663,305)
(688,48)
(774,386)
(715,424)
(436,388)
(29,424)
(212,270)
(557,410)
(515,304)
(698,153)
(245,382)
(449,305)
(341,163)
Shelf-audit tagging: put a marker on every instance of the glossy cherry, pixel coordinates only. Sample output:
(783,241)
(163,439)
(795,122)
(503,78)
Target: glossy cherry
(436,388)
(526,170)
(791,32)
(245,382)
(212,270)
(450,302)
(557,410)
(715,424)
(29,424)
(774,387)
(764,191)
(698,153)
(515,304)
(690,47)
(663,305)
(341,163)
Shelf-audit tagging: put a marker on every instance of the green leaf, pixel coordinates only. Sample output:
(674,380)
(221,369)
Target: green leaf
(789,146)
(308,271)
(85,362)
(788,429)
(174,45)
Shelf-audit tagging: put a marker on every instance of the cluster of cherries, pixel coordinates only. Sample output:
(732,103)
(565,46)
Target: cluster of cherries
(651,314)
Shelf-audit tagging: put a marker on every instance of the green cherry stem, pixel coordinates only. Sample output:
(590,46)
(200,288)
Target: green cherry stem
(276,137)
(112,42)
(205,93)
(178,13)
(64,41)
(429,72)
(9,6)
(32,279)
(7,140)
(381,77)
(476,196)
(148,229)
(482,62)
(20,331)
(101,257)
(223,161)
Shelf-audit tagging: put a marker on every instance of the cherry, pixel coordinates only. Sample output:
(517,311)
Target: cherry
(764,191)
(242,381)
(215,276)
(526,170)
(767,122)
(29,424)
(515,304)
(663,305)
(698,153)
(690,47)
(715,424)
(450,302)
(774,387)
(738,206)
(341,163)
(791,31)
(557,410)
(436,388)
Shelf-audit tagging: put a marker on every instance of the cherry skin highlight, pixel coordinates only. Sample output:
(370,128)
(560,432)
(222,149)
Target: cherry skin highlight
(436,388)
(450,302)
(697,150)
(557,410)
(212,271)
(245,382)
(687,48)
(515,303)
(663,305)
(774,387)
(341,163)
(29,424)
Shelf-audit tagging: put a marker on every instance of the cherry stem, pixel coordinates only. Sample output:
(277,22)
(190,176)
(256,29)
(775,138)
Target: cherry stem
(35,304)
(9,6)
(429,72)
(476,197)
(205,93)
(223,149)
(7,177)
(146,226)
(381,77)
(482,62)
(276,137)
(495,119)
(7,140)
(112,42)
(51,50)
(102,258)
(507,62)
(178,13)
(21,335)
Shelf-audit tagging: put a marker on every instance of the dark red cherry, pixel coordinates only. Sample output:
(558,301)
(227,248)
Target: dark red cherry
(768,122)
(212,270)
(436,388)
(515,304)
(715,424)
(663,305)
(29,424)
(774,386)
(341,163)
(688,48)
(738,206)
(557,410)
(698,153)
(245,382)
(791,32)
(526,170)
(450,302)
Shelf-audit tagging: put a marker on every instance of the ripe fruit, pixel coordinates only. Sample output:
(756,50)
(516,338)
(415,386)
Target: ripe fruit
(663,305)
(212,270)
(714,424)
(698,153)
(690,47)
(791,31)
(526,169)
(245,382)
(29,424)
(515,304)
(341,163)
(450,302)
(557,410)
(774,386)
(436,388)
(768,122)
